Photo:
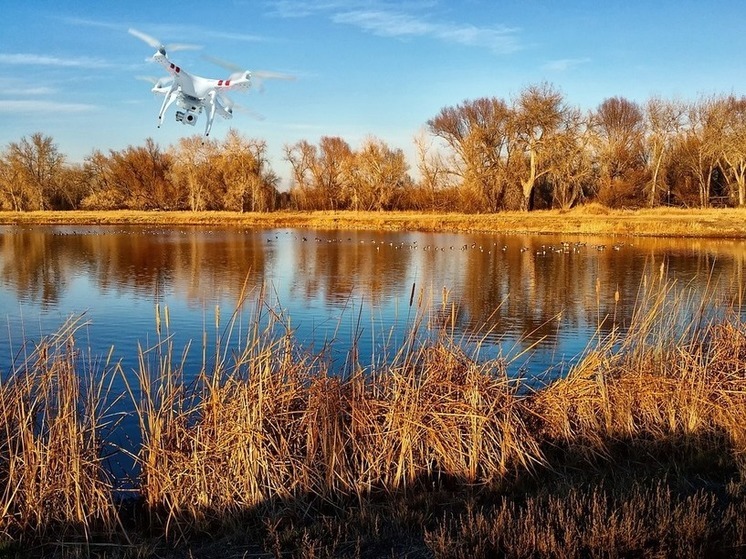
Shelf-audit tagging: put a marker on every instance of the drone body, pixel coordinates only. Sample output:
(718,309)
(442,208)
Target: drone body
(194,94)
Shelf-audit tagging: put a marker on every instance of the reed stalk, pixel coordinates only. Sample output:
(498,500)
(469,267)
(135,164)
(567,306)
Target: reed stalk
(675,374)
(53,424)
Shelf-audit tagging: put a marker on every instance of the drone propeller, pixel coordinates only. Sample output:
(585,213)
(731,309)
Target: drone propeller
(156,82)
(240,72)
(229,105)
(156,44)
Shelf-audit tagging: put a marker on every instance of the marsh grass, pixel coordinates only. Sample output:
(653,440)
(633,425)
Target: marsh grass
(270,423)
(591,219)
(677,373)
(53,420)
(639,449)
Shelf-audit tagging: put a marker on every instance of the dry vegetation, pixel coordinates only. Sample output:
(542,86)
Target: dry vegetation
(585,220)
(639,450)
(533,151)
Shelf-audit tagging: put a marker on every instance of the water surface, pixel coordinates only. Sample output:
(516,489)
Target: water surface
(536,300)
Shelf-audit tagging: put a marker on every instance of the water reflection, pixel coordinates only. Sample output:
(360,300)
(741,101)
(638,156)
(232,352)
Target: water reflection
(508,291)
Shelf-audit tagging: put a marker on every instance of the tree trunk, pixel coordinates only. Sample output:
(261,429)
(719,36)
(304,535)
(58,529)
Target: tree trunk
(528,184)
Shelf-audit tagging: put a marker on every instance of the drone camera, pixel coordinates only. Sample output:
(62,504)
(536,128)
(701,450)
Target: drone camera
(186,117)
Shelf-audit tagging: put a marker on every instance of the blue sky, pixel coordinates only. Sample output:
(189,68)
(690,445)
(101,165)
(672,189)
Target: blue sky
(68,68)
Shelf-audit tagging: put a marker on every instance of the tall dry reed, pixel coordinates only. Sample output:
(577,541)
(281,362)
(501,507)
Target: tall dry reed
(264,423)
(676,373)
(272,423)
(53,483)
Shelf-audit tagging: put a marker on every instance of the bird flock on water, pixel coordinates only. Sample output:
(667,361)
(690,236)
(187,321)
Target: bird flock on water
(564,247)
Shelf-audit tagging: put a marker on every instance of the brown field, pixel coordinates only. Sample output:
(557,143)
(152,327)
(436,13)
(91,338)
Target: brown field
(592,219)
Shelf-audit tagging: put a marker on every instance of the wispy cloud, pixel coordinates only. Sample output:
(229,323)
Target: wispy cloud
(501,40)
(564,64)
(39,106)
(305,8)
(19,84)
(28,59)
(167,32)
(403,21)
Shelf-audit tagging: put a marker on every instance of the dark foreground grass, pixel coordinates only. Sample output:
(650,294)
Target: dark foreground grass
(638,451)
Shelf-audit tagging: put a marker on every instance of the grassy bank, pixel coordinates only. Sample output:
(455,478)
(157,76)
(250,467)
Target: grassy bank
(585,220)
(639,450)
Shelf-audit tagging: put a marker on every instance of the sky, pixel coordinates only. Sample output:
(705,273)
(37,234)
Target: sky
(69,69)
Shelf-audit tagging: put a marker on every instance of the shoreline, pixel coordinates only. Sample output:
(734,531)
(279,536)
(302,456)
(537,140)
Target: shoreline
(586,220)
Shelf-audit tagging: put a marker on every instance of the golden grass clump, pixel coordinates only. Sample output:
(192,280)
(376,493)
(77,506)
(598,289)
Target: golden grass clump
(661,381)
(52,478)
(273,425)
(439,412)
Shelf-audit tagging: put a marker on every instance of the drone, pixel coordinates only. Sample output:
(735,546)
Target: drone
(194,94)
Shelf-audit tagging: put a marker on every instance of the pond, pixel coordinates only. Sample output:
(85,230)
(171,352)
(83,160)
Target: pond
(537,301)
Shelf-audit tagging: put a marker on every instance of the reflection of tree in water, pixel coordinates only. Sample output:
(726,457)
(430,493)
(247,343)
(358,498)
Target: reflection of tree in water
(40,263)
(524,285)
(499,283)
(34,265)
(336,265)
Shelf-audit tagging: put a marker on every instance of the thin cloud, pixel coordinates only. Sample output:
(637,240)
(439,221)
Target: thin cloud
(390,21)
(500,40)
(564,64)
(10,84)
(387,24)
(302,8)
(38,106)
(82,22)
(167,32)
(28,59)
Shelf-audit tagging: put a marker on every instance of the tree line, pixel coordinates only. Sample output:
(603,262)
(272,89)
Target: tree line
(532,151)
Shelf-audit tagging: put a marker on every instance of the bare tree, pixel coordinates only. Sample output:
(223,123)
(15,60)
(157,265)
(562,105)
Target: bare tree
(11,194)
(619,128)
(538,116)
(663,122)
(433,170)
(137,178)
(195,171)
(571,172)
(320,172)
(730,116)
(478,133)
(34,166)
(376,175)
(250,183)
(302,157)
(700,146)
(329,172)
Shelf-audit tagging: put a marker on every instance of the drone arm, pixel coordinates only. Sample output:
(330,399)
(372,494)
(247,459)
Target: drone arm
(170,98)
(224,106)
(210,113)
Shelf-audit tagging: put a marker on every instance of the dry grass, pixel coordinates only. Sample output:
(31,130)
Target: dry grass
(641,521)
(640,449)
(662,380)
(592,219)
(274,425)
(53,483)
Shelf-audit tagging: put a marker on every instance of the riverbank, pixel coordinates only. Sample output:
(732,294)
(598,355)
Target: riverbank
(639,450)
(586,220)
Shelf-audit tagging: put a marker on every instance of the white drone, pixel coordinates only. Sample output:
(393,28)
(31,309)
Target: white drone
(194,93)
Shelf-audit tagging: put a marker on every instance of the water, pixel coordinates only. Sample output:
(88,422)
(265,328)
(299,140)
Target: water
(535,300)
